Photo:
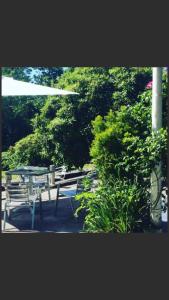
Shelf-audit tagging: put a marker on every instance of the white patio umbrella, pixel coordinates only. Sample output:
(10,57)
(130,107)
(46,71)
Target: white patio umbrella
(12,87)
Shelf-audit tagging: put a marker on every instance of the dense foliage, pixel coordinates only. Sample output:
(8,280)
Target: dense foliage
(18,112)
(124,152)
(116,206)
(44,75)
(65,122)
(108,123)
(123,144)
(124,158)
(18,73)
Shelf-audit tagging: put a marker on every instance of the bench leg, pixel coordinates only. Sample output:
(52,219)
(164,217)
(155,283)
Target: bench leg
(48,188)
(40,205)
(5,213)
(33,215)
(57,198)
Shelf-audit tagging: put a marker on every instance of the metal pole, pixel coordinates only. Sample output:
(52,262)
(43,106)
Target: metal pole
(157,99)
(155,209)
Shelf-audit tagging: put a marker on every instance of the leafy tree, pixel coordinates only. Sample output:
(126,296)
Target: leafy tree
(28,151)
(19,73)
(17,113)
(71,127)
(66,121)
(45,76)
(129,82)
(125,152)
(124,147)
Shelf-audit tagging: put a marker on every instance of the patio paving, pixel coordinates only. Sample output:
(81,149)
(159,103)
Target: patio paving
(62,222)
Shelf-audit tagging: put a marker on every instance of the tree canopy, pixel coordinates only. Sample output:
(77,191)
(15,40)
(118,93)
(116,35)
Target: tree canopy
(65,123)
(18,112)
(18,73)
(44,75)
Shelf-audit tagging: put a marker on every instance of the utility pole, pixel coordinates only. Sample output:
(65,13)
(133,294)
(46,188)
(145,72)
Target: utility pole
(155,208)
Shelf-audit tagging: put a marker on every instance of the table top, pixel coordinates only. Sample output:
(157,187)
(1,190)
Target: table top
(29,171)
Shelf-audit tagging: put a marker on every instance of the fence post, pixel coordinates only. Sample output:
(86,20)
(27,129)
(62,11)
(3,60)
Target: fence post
(52,175)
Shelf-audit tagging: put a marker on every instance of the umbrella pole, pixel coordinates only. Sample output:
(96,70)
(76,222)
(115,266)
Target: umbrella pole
(155,207)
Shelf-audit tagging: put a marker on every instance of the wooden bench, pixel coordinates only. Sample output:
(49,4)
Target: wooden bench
(66,182)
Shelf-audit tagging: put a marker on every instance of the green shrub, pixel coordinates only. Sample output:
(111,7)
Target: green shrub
(117,207)
(28,151)
(124,146)
(124,151)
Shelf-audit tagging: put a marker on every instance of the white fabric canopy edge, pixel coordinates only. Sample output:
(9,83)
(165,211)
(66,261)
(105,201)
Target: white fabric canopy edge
(12,87)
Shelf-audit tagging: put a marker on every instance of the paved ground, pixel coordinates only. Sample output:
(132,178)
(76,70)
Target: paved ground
(62,222)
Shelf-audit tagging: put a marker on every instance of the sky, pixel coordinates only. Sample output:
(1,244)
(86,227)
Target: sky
(34,71)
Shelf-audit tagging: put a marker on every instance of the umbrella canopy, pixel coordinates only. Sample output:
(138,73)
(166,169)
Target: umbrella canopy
(12,87)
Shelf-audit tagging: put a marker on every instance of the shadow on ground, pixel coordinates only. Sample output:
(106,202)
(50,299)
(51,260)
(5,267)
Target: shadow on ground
(63,221)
